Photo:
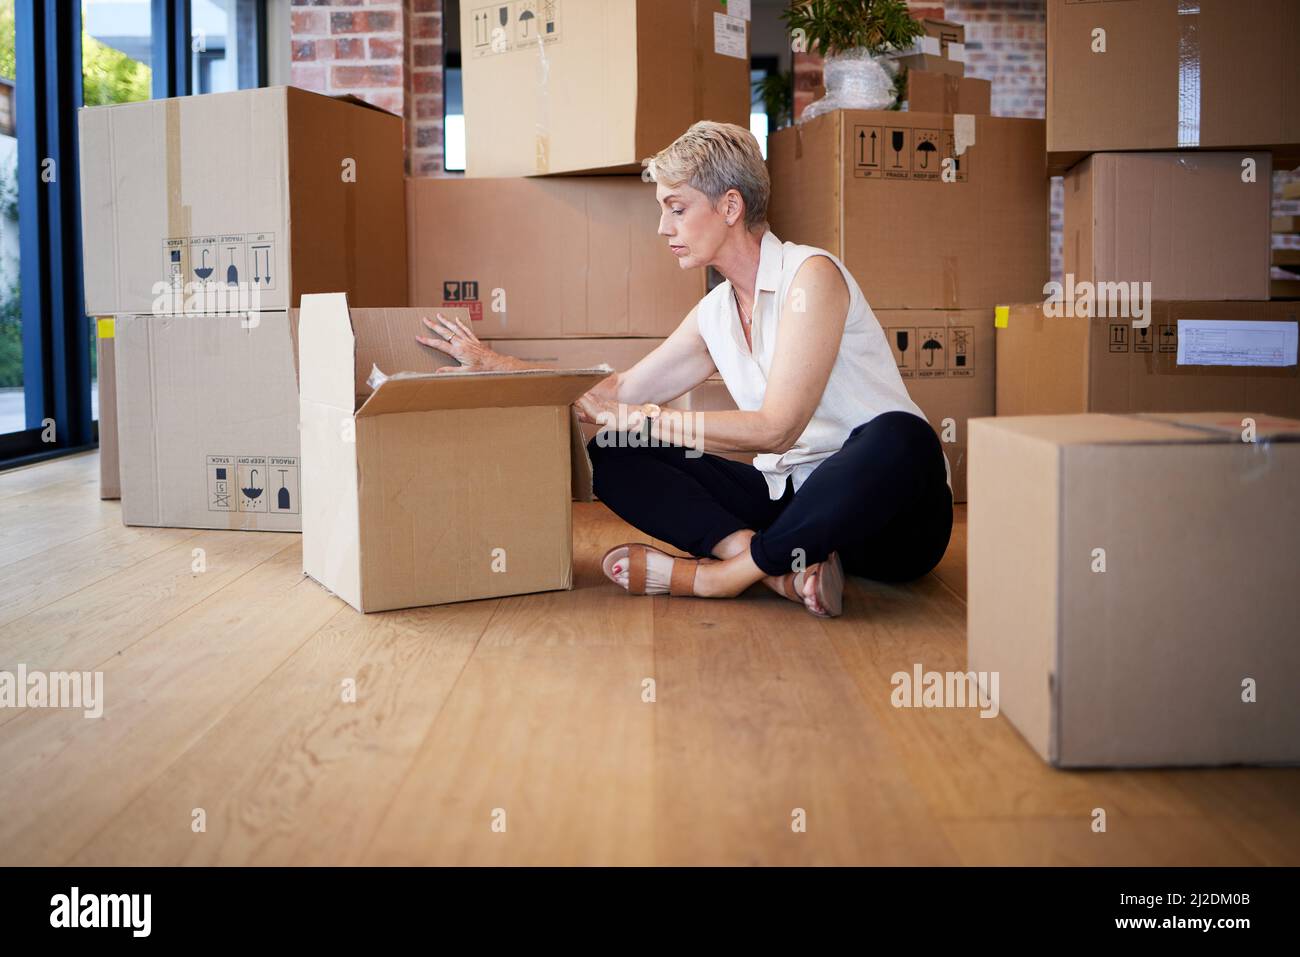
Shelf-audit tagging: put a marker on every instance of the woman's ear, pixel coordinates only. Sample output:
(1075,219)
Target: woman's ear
(735,207)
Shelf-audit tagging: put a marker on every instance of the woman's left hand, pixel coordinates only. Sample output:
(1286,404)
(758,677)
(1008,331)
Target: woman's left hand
(455,339)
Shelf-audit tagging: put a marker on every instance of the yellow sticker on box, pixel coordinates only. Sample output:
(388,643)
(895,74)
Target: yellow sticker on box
(1000,316)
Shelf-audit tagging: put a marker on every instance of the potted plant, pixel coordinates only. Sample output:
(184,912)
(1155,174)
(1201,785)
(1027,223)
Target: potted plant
(776,90)
(853,36)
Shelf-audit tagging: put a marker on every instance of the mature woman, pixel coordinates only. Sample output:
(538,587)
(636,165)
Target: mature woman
(847,474)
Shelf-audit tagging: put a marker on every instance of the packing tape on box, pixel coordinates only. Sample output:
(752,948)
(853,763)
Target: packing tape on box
(951,288)
(178,214)
(542,142)
(1189,73)
(105,328)
(963,132)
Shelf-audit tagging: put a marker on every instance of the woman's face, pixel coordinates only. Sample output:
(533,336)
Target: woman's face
(694,227)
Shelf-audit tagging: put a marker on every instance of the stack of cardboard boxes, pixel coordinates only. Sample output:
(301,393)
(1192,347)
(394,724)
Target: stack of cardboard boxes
(939,214)
(209,219)
(1131,572)
(204,219)
(557,255)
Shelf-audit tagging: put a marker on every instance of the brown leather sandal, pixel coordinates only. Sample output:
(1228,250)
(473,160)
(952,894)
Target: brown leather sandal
(681,582)
(830,587)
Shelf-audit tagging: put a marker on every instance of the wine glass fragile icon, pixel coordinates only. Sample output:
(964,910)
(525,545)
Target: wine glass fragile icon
(897,140)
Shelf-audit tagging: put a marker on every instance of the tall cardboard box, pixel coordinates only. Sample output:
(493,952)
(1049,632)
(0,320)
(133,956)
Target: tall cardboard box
(432,488)
(278,191)
(1132,584)
(946,360)
(548,258)
(919,225)
(1194,356)
(208,421)
(1188,223)
(1214,74)
(569,86)
(110,482)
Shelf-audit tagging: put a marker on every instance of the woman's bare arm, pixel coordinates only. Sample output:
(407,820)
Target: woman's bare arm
(808,340)
(673,368)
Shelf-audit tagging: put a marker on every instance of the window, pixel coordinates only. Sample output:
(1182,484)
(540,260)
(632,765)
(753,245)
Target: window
(53,58)
(453,108)
(227,45)
(13,404)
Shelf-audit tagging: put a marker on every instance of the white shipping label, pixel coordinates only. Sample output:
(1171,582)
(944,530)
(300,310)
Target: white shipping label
(1222,342)
(729,36)
(738,8)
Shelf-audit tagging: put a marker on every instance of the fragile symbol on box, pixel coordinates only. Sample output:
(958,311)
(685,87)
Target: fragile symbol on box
(903,342)
(934,362)
(898,153)
(463,294)
(1143,338)
(962,361)
(283,490)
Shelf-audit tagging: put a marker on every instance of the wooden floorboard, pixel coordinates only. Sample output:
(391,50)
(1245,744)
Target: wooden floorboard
(577,727)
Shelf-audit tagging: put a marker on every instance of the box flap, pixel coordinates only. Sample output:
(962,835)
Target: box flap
(349,98)
(426,392)
(326,350)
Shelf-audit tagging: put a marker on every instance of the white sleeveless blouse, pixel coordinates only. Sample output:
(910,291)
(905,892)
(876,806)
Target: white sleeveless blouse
(864,382)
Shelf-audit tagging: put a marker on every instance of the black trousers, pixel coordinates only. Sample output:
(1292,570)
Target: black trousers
(882,501)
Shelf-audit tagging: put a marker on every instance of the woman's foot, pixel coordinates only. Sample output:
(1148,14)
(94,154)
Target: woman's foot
(645,570)
(820,587)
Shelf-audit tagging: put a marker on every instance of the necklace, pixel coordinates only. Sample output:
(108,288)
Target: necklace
(744,317)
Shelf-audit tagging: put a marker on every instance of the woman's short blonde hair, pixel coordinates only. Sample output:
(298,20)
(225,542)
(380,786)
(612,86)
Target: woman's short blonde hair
(713,158)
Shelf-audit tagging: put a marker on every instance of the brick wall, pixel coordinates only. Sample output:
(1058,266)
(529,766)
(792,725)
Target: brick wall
(387,52)
(1006,44)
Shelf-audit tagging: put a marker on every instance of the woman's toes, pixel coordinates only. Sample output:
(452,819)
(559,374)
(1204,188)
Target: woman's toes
(810,590)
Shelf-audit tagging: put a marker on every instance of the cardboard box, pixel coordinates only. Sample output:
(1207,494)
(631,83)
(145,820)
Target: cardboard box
(293,191)
(1216,74)
(945,31)
(946,93)
(932,63)
(208,421)
(1132,585)
(911,239)
(432,488)
(110,483)
(1233,355)
(548,258)
(946,360)
(1185,222)
(595,85)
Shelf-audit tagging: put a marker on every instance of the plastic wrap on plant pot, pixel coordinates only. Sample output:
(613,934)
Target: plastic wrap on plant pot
(855,80)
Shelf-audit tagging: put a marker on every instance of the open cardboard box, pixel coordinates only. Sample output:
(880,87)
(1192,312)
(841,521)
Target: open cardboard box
(431,487)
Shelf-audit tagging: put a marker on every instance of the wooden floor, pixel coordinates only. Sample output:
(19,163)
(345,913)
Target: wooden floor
(223,692)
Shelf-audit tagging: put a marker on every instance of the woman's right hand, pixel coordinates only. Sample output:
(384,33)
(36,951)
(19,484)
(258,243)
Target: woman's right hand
(457,340)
